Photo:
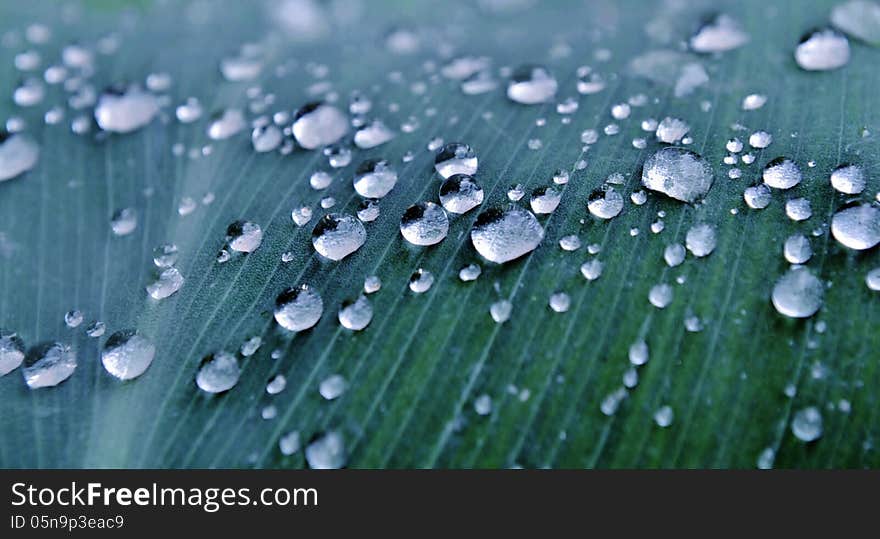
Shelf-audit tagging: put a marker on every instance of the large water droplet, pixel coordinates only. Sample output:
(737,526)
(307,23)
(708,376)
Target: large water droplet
(298,309)
(782,173)
(460,193)
(678,173)
(798,293)
(531,84)
(504,235)
(244,236)
(125,110)
(327,452)
(424,223)
(718,34)
(127,354)
(318,124)
(858,18)
(218,372)
(11,352)
(848,179)
(605,203)
(374,178)
(455,158)
(822,49)
(356,315)
(857,227)
(48,364)
(18,154)
(806,425)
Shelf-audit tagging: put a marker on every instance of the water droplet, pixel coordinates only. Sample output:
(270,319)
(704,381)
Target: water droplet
(857,227)
(671,130)
(48,364)
(289,443)
(421,281)
(11,352)
(226,124)
(753,101)
(806,425)
(338,235)
(218,372)
(758,196)
(612,401)
(301,215)
(718,34)
(125,110)
(372,284)
(375,133)
(368,210)
(678,173)
(96,329)
(700,240)
(872,279)
(460,193)
(797,249)
(244,236)
(266,138)
(337,155)
(29,93)
(165,256)
(638,353)
(169,282)
(858,18)
(18,154)
(356,315)
(570,242)
(424,223)
(660,295)
(470,272)
(327,452)
(318,124)
(531,85)
(73,318)
(320,179)
(782,173)
(605,203)
(544,200)
(333,387)
(822,49)
(798,293)
(250,346)
(798,209)
(124,221)
(560,302)
(127,355)
(500,311)
(848,179)
(374,178)
(456,158)
(664,416)
(298,309)
(760,139)
(674,254)
(592,269)
(504,235)
(189,111)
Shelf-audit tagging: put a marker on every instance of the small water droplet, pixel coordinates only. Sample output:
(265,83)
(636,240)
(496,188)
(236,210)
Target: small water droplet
(797,249)
(753,101)
(500,311)
(592,269)
(700,240)
(18,154)
(73,318)
(421,281)
(798,209)
(11,352)
(674,254)
(226,124)
(660,295)
(124,221)
(125,110)
(605,203)
(301,215)
(356,315)
(638,353)
(470,272)
(758,196)
(872,279)
(718,34)
(244,236)
(250,346)
(664,416)
(218,372)
(671,130)
(96,329)
(266,138)
(848,179)
(531,85)
(806,425)
(372,134)
(858,18)
(560,302)
(327,452)
(374,178)
(170,280)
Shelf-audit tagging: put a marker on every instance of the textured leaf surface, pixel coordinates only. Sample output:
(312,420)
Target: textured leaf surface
(415,372)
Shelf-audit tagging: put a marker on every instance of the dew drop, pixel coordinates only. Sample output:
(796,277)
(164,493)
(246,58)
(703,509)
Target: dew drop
(531,85)
(318,124)
(374,178)
(356,315)
(266,138)
(338,235)
(638,353)
(125,110)
(798,209)
(456,158)
(11,352)
(678,173)
(18,154)
(858,18)
(671,130)
(500,311)
(421,281)
(857,227)
(664,416)
(605,203)
(758,196)
(700,240)
(48,364)
(782,173)
(327,452)
(872,279)
(424,223)
(545,200)
(298,309)
(226,124)
(460,193)
(848,179)
(674,254)
(822,49)
(592,269)
(301,215)
(244,236)
(660,295)
(127,354)
(470,272)
(502,235)
(806,425)
(560,302)
(798,293)
(124,222)
(797,249)
(368,210)
(333,387)
(169,282)
(372,284)
(218,372)
(718,34)
(375,133)
(753,101)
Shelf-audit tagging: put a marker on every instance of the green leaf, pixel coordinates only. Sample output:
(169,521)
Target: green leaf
(415,372)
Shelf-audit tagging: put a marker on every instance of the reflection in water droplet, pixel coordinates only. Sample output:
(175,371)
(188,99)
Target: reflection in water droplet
(218,372)
(127,354)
